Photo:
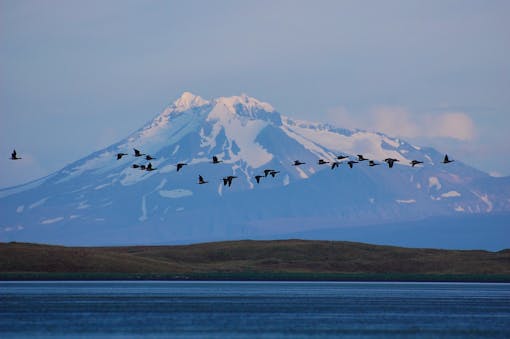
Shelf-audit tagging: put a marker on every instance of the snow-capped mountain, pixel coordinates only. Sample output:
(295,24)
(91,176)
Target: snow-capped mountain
(102,200)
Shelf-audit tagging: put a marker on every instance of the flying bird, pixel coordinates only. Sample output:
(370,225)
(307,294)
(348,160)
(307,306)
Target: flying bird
(14,155)
(298,163)
(267,171)
(142,167)
(341,157)
(201,180)
(215,160)
(390,161)
(257,177)
(228,180)
(149,167)
(322,162)
(372,163)
(274,173)
(335,164)
(138,153)
(149,158)
(135,166)
(361,157)
(120,155)
(180,165)
(351,163)
(446,160)
(416,162)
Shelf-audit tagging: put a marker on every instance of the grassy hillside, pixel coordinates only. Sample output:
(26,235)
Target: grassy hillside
(249,259)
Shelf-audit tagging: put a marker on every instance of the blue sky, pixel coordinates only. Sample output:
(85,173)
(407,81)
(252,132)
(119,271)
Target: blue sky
(76,76)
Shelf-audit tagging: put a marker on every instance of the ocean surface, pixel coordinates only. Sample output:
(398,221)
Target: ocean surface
(253,309)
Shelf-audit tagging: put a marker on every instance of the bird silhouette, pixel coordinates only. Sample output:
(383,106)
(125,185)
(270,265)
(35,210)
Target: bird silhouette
(150,168)
(322,162)
(298,163)
(135,166)
(149,158)
(201,180)
(446,160)
(257,177)
(372,163)
(361,157)
(215,160)
(341,157)
(267,171)
(335,164)
(351,163)
(228,180)
(14,155)
(416,162)
(142,167)
(180,165)
(390,161)
(120,155)
(138,153)
(274,173)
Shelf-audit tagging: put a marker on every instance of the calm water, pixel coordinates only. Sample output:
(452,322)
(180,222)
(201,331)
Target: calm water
(253,309)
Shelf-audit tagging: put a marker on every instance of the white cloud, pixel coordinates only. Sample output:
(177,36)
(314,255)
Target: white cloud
(343,118)
(496,174)
(394,121)
(455,125)
(400,122)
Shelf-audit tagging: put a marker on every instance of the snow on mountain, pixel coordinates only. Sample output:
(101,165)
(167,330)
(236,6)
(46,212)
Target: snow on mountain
(99,200)
(187,101)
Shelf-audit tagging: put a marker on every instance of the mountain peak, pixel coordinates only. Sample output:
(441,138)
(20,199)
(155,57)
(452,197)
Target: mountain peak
(189,100)
(245,101)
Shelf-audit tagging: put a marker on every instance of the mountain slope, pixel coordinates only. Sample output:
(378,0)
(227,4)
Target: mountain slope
(101,200)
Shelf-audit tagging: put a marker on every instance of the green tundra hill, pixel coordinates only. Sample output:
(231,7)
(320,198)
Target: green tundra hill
(252,260)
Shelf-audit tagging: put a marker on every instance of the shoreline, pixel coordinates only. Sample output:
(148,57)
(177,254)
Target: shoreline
(257,276)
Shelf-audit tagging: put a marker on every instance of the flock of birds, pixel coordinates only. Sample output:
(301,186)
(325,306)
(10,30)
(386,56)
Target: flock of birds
(227,181)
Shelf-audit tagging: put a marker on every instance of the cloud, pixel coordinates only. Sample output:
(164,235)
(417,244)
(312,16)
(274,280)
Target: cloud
(394,121)
(496,174)
(456,125)
(400,122)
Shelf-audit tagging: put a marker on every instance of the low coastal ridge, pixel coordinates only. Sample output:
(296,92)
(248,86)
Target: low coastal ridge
(252,260)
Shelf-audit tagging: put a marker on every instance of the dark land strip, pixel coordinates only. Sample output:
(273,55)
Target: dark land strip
(278,260)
